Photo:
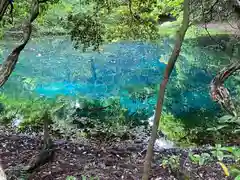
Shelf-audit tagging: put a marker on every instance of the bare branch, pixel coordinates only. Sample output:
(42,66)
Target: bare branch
(205,21)
(210,11)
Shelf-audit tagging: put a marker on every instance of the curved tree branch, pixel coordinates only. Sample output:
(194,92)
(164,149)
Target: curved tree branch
(206,20)
(9,64)
(219,93)
(7,67)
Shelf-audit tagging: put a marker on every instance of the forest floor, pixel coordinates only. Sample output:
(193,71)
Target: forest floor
(107,161)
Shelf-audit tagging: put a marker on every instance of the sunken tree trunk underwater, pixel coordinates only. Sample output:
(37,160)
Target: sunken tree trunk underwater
(7,68)
(180,34)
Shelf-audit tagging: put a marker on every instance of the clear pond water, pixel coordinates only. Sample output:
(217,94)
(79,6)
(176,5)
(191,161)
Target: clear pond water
(51,66)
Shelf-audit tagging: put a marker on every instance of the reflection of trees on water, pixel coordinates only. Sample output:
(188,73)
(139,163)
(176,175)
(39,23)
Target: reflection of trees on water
(119,67)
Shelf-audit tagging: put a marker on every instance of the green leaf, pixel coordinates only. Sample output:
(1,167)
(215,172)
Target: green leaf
(194,157)
(218,146)
(236,152)
(212,129)
(202,161)
(225,118)
(224,167)
(221,126)
(237,178)
(236,131)
(229,149)
(205,155)
(71,178)
(234,172)
(84,177)
(220,155)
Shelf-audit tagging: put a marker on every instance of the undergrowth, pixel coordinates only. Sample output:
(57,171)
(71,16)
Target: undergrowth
(71,117)
(225,157)
(107,119)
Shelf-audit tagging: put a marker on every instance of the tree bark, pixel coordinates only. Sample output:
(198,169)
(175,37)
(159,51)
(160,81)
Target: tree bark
(47,153)
(3,7)
(9,64)
(175,53)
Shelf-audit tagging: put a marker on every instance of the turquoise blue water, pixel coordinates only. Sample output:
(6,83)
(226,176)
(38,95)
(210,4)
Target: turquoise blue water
(51,67)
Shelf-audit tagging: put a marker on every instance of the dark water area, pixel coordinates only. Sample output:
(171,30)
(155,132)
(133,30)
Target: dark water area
(51,66)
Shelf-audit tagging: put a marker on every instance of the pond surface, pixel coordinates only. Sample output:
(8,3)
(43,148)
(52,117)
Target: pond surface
(51,66)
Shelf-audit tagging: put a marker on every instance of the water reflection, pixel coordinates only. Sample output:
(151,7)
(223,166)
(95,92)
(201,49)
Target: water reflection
(58,69)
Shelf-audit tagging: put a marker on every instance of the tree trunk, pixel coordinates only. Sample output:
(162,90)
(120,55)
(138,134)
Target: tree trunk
(48,143)
(9,64)
(3,7)
(175,53)
(47,153)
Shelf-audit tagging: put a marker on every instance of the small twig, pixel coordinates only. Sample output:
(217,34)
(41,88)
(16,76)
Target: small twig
(205,25)
(211,8)
(232,25)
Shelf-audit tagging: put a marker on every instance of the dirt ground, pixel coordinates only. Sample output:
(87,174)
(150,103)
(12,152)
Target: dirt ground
(107,161)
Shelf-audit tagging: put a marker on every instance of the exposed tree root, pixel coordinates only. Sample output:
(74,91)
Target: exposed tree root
(40,159)
(47,153)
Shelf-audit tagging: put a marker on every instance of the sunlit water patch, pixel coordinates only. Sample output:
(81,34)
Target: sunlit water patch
(53,67)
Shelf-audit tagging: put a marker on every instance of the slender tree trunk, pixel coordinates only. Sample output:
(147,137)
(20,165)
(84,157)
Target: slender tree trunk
(3,7)
(175,53)
(46,136)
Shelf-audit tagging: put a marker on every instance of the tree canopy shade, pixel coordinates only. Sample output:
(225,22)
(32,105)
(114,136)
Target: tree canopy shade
(90,23)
